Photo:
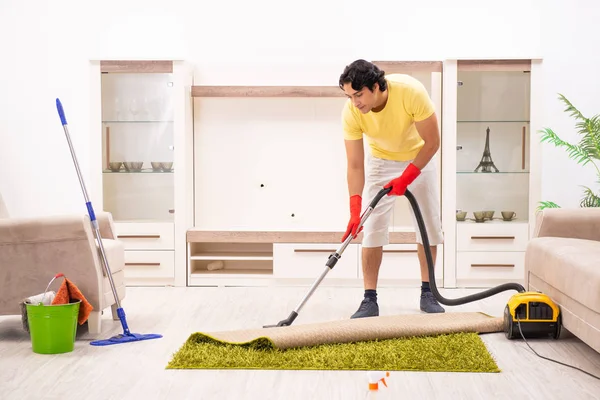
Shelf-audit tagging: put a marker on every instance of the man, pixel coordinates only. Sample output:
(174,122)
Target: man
(398,119)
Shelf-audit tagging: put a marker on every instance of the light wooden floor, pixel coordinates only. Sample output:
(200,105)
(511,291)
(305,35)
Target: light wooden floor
(137,370)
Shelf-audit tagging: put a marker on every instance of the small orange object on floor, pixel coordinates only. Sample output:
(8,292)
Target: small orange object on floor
(68,292)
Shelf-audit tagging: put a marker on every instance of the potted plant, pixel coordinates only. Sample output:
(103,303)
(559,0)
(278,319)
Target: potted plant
(586,152)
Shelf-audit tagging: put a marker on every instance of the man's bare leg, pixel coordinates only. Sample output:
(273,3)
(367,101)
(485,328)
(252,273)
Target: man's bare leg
(423,260)
(428,303)
(371,262)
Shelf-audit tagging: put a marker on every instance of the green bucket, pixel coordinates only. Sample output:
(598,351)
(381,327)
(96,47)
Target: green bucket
(53,327)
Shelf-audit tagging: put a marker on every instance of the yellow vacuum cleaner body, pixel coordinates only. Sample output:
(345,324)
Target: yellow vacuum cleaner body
(535,313)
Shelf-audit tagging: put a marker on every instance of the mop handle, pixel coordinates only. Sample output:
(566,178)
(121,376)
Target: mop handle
(63,120)
(88,204)
(61,112)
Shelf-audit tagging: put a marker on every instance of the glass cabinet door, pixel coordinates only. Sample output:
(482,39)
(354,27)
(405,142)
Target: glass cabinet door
(492,143)
(137,146)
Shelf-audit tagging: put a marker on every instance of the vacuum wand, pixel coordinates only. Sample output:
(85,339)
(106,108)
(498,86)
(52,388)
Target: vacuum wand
(331,261)
(335,256)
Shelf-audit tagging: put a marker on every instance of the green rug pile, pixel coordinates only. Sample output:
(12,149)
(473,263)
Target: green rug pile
(451,352)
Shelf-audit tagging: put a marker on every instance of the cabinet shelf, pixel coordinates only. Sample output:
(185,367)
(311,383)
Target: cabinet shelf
(239,259)
(495,220)
(491,173)
(239,273)
(267,91)
(492,122)
(138,122)
(108,171)
(233,256)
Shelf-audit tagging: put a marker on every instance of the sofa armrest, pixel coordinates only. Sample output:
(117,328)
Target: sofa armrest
(33,250)
(578,223)
(44,229)
(106,225)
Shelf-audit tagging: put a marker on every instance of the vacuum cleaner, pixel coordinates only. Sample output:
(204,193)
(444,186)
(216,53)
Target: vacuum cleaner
(527,314)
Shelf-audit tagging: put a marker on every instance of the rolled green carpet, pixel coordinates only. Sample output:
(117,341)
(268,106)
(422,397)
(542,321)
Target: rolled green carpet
(423,342)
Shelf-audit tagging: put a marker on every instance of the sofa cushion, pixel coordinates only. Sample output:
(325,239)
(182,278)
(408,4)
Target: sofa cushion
(570,265)
(115,254)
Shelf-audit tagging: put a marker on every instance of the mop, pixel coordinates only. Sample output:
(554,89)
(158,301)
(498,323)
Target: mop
(126,336)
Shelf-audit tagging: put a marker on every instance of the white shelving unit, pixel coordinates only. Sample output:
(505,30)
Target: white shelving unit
(142,113)
(500,98)
(266,244)
(259,233)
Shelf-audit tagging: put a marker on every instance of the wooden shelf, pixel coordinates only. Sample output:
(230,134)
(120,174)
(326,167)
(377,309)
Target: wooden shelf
(136,66)
(199,236)
(494,65)
(240,273)
(232,256)
(389,67)
(407,67)
(267,91)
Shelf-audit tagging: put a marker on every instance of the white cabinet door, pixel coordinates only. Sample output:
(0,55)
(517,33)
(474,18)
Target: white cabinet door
(308,260)
(146,236)
(479,268)
(143,266)
(492,236)
(401,262)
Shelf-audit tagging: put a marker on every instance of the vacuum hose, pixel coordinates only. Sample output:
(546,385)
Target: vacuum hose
(430,266)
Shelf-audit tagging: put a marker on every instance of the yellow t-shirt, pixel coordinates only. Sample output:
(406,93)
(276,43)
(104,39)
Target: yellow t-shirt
(391,133)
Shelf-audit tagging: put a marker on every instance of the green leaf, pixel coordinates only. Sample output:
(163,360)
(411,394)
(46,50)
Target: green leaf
(576,153)
(584,152)
(590,199)
(546,204)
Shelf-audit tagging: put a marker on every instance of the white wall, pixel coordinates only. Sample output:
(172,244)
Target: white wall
(45,51)
(571,67)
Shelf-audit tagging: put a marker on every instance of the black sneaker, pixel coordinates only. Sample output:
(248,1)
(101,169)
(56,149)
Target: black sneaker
(368,308)
(429,304)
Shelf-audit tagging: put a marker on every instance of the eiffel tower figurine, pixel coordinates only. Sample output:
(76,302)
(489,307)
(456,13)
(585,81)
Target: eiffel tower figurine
(486,164)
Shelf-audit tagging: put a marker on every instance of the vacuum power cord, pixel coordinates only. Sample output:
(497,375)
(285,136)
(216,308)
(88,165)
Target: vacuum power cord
(473,297)
(549,359)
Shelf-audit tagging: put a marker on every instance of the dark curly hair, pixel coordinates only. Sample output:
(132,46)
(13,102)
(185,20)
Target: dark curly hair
(361,73)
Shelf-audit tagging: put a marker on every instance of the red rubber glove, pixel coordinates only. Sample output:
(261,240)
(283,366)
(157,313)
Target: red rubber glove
(355,208)
(400,184)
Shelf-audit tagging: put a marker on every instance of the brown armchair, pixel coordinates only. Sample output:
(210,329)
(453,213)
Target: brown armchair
(33,250)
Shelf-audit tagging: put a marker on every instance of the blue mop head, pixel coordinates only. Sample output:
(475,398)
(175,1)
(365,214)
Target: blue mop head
(125,338)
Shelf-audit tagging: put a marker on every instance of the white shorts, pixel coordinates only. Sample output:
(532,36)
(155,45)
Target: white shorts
(424,188)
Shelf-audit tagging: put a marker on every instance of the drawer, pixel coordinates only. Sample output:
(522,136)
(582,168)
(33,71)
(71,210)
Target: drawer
(146,236)
(308,260)
(492,236)
(401,261)
(490,266)
(149,264)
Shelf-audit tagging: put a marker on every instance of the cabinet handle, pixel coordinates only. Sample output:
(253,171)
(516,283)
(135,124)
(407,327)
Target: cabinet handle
(523,149)
(314,250)
(492,237)
(171,211)
(400,251)
(141,263)
(139,236)
(107,147)
(493,265)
